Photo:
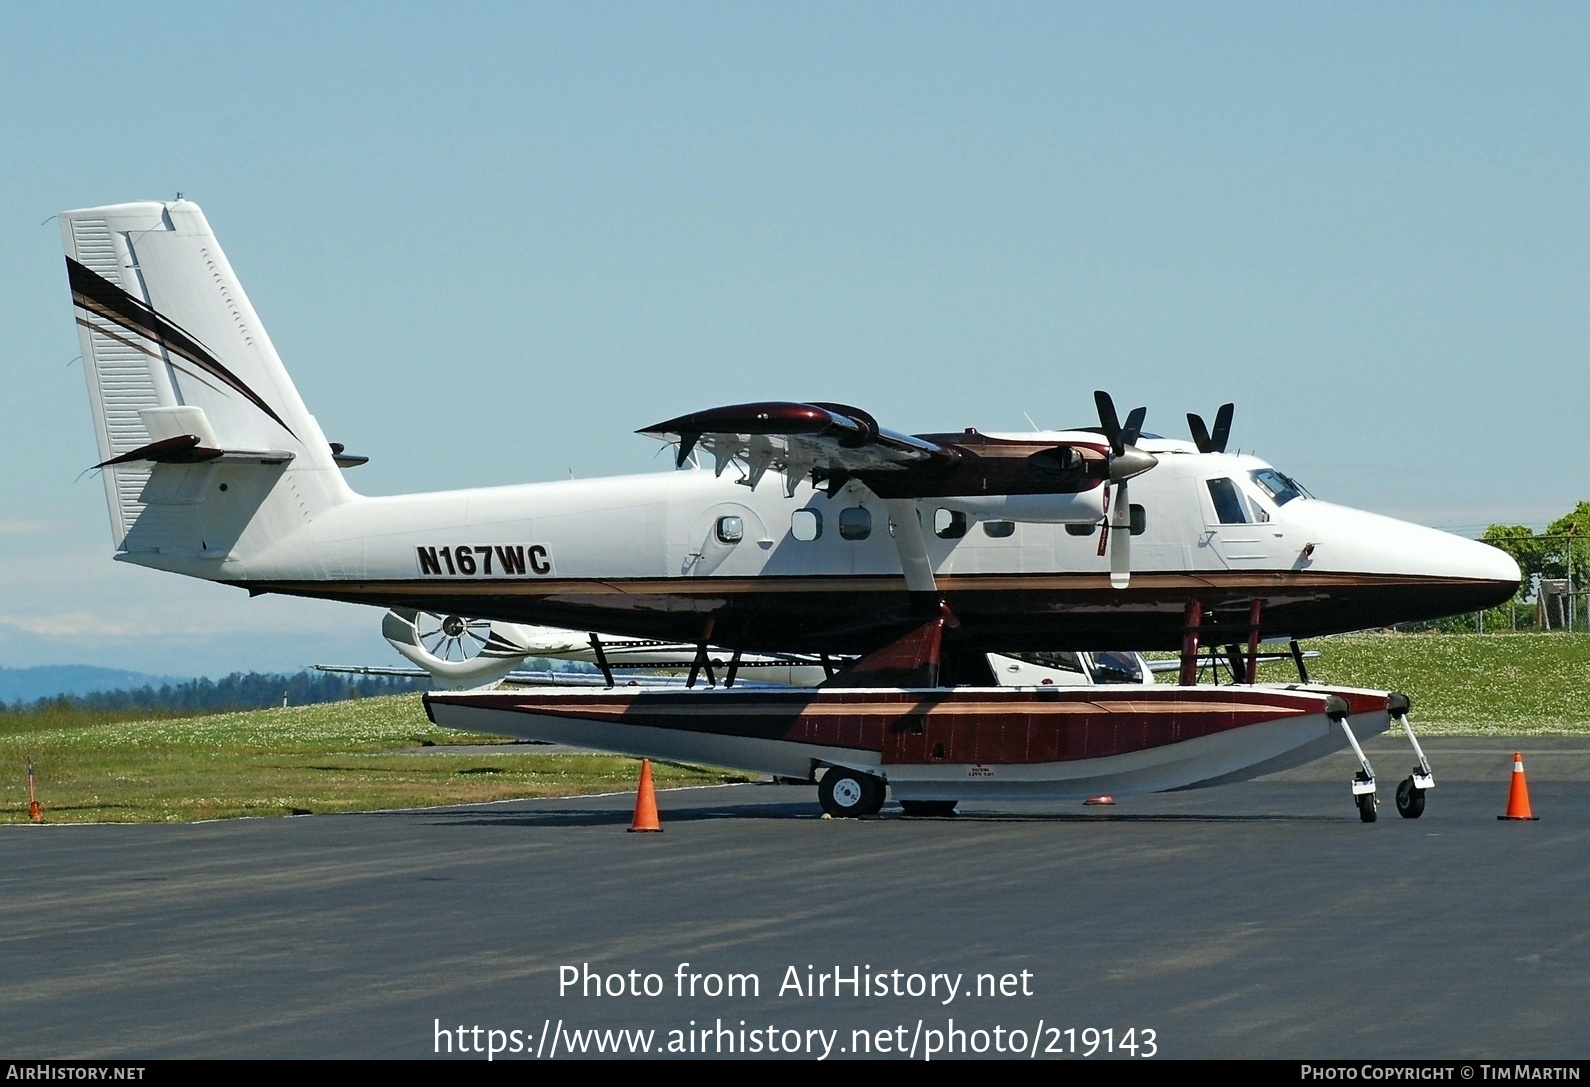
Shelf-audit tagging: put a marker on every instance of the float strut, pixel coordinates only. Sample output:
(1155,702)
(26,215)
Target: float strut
(1254,611)
(734,668)
(1192,618)
(1423,776)
(1237,663)
(1365,781)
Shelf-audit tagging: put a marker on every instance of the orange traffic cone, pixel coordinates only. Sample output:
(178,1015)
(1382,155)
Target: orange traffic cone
(645,803)
(1518,795)
(35,810)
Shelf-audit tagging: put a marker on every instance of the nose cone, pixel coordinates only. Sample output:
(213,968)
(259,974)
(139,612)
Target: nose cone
(1456,575)
(1477,575)
(1494,564)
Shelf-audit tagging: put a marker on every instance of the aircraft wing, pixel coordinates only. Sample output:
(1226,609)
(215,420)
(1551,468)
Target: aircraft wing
(794,439)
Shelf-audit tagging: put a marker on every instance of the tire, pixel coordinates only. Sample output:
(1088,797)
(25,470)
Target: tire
(1410,799)
(850,794)
(925,808)
(1366,807)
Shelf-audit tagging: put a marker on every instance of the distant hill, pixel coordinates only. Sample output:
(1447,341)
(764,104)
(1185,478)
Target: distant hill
(50,680)
(238,691)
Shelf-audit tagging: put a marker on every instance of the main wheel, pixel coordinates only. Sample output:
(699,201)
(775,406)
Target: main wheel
(928,807)
(1410,799)
(850,793)
(1367,804)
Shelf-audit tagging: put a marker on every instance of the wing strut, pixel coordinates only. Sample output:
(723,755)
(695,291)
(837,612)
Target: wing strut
(912,546)
(601,660)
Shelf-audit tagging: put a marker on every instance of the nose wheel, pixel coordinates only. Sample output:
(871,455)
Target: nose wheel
(1363,781)
(1410,793)
(1410,799)
(1368,802)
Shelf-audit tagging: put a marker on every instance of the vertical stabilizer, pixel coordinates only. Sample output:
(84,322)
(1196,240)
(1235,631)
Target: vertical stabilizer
(176,357)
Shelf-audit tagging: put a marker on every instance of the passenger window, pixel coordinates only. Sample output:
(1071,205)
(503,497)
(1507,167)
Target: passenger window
(855,523)
(730,530)
(999,530)
(949,524)
(1228,503)
(1082,530)
(806,525)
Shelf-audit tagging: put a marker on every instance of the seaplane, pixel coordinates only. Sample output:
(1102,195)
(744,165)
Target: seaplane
(902,561)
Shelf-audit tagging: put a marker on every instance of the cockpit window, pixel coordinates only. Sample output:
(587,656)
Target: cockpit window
(1228,502)
(1279,487)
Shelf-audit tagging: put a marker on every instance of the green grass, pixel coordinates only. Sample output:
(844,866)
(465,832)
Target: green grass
(1464,684)
(340,756)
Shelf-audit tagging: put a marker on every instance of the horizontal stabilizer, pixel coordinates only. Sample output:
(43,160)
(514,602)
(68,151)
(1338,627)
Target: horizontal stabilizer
(188,449)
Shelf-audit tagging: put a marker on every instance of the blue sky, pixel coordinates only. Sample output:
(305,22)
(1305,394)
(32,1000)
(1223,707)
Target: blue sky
(490,241)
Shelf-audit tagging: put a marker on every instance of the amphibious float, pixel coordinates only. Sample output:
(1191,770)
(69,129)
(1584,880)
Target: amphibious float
(886,726)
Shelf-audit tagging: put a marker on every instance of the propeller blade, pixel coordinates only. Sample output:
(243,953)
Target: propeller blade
(1222,427)
(1134,425)
(1120,539)
(1200,433)
(687,443)
(1109,421)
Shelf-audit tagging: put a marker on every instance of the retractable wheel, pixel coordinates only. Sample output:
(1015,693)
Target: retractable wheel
(1367,805)
(1410,799)
(928,807)
(847,793)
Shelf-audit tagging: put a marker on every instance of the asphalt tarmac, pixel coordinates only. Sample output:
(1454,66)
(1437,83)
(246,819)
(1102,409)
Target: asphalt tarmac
(1253,920)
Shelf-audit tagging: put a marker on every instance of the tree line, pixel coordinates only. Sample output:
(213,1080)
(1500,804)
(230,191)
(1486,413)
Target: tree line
(1561,553)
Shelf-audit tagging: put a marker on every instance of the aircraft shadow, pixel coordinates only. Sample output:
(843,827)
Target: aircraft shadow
(584,817)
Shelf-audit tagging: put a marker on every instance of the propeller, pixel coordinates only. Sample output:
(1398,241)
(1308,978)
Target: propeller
(1126,461)
(1203,439)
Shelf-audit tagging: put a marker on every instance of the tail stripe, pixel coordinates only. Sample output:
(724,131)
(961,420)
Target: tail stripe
(101,330)
(100,296)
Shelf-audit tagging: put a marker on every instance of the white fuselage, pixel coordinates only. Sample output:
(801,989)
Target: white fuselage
(594,554)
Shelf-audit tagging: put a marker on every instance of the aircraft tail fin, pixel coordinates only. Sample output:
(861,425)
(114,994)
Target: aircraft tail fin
(205,446)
